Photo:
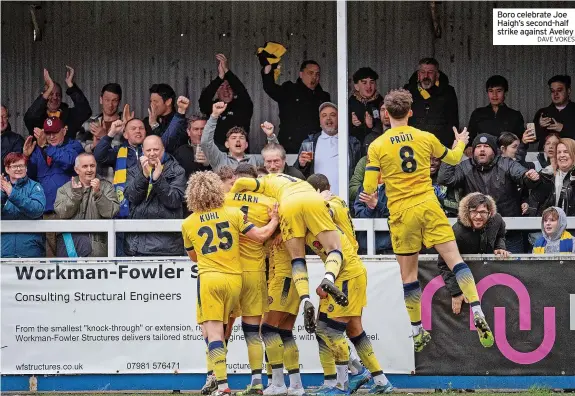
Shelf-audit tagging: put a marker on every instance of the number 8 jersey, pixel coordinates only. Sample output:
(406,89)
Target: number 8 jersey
(215,236)
(402,155)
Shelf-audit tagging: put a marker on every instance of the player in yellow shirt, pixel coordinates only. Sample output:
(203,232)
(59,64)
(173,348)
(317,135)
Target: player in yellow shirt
(302,209)
(211,237)
(402,156)
(254,296)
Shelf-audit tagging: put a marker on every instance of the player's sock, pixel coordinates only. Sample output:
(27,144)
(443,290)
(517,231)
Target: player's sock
(325,355)
(333,265)
(412,297)
(291,358)
(268,368)
(275,352)
(218,357)
(355,365)
(338,345)
(255,351)
(300,278)
(365,351)
(467,285)
(208,360)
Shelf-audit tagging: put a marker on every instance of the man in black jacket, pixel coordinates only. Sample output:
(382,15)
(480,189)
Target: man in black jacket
(298,103)
(227,88)
(491,174)
(435,107)
(479,230)
(162,109)
(49,104)
(364,104)
(496,117)
(559,116)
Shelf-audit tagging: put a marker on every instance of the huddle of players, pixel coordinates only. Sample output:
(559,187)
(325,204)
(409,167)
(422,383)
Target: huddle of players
(233,274)
(232,278)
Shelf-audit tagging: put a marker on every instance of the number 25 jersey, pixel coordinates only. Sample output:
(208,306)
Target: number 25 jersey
(215,236)
(403,156)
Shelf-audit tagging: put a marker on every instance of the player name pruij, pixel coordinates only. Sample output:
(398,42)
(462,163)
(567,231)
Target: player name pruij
(404,137)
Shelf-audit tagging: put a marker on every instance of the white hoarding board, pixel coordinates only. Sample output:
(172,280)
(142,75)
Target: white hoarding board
(139,317)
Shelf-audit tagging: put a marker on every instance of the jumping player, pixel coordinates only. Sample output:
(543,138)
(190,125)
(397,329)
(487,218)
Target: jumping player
(402,155)
(211,238)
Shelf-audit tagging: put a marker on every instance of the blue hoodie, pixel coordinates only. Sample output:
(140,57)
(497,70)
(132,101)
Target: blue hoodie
(26,202)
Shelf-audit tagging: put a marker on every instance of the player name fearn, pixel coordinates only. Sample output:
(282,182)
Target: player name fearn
(245,198)
(30,272)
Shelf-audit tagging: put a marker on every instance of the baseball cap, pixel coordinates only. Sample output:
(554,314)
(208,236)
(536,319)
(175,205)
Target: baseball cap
(327,104)
(53,125)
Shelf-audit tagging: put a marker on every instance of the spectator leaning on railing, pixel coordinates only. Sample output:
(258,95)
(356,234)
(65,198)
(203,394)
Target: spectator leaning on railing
(85,197)
(22,199)
(479,230)
(155,189)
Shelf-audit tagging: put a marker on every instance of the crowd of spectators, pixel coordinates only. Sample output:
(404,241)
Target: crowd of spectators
(69,164)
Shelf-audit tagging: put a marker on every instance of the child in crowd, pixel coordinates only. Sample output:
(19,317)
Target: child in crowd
(555,238)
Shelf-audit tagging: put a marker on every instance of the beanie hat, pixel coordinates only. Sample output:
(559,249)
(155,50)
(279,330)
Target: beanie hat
(486,138)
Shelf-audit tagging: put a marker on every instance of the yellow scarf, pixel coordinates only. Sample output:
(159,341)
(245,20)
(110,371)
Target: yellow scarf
(423,92)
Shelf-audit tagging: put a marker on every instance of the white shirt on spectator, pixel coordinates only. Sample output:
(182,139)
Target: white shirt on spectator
(326,159)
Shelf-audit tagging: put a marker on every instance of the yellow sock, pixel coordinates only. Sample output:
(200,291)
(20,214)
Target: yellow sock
(466,283)
(300,277)
(412,297)
(208,360)
(338,345)
(217,354)
(365,351)
(255,349)
(325,355)
(274,345)
(291,352)
(333,264)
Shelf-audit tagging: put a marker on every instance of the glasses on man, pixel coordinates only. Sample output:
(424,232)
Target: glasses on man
(16,167)
(482,213)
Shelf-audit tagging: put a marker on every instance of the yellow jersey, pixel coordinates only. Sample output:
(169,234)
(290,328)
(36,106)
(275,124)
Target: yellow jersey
(215,236)
(352,265)
(342,218)
(275,185)
(402,155)
(280,262)
(255,206)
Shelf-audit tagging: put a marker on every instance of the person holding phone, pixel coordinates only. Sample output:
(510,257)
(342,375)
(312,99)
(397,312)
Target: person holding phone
(559,116)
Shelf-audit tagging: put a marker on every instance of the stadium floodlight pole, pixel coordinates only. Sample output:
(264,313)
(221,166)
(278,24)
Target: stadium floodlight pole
(342,99)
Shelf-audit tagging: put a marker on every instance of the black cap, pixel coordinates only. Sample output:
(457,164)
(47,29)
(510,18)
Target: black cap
(485,138)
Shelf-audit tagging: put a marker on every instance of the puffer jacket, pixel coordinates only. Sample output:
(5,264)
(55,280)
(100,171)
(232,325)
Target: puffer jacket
(163,201)
(437,114)
(26,202)
(53,167)
(471,241)
(499,179)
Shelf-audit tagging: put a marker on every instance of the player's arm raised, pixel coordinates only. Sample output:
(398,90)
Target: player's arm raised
(451,157)
(262,234)
(371,177)
(247,184)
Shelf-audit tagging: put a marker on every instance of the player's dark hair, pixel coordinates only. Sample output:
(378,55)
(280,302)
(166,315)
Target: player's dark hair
(226,173)
(497,81)
(319,182)
(305,63)
(398,103)
(429,61)
(262,171)
(246,170)
(165,91)
(506,139)
(114,88)
(562,78)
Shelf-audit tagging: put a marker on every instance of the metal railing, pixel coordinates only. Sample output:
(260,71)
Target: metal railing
(111,227)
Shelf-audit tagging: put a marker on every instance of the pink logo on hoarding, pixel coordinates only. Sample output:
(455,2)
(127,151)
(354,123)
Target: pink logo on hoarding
(499,327)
